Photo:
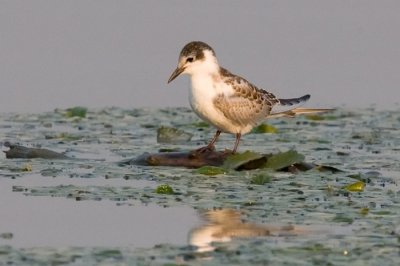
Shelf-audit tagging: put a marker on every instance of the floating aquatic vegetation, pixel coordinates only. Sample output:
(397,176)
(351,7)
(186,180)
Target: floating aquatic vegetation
(366,177)
(164,189)
(355,187)
(260,179)
(240,160)
(368,137)
(77,111)
(201,124)
(265,128)
(18,151)
(320,117)
(26,168)
(327,168)
(364,211)
(363,222)
(172,135)
(50,172)
(169,150)
(65,136)
(342,218)
(284,159)
(211,170)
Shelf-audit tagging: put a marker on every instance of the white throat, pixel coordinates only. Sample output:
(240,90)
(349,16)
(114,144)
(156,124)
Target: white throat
(206,66)
(206,85)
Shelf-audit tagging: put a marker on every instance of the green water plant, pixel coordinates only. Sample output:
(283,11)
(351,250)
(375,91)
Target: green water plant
(77,111)
(164,189)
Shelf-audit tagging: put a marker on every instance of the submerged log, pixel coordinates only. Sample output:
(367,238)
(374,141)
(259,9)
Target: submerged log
(18,151)
(289,161)
(183,159)
(292,161)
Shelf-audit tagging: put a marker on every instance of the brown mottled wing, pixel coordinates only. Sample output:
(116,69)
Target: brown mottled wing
(247,105)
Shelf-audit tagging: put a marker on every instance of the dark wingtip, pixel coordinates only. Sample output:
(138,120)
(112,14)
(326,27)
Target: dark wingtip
(294,101)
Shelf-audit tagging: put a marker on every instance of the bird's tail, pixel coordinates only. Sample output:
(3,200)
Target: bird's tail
(292,107)
(294,101)
(299,111)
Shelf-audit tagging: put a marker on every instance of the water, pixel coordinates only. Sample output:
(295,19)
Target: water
(92,211)
(60,222)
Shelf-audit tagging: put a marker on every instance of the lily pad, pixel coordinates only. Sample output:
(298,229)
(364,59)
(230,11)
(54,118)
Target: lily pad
(65,136)
(284,159)
(265,128)
(327,168)
(315,201)
(364,211)
(260,179)
(18,151)
(316,117)
(164,189)
(172,135)
(342,218)
(201,124)
(27,168)
(77,111)
(355,187)
(211,170)
(241,161)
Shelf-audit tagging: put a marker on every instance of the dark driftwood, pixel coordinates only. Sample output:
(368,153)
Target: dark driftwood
(182,159)
(18,151)
(193,159)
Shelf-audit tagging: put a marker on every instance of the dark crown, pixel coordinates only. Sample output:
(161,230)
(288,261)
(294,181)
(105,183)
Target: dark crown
(196,49)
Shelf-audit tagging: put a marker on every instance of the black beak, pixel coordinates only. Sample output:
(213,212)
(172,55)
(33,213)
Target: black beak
(176,73)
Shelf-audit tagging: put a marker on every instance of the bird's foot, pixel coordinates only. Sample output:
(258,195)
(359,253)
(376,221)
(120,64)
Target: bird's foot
(228,152)
(202,150)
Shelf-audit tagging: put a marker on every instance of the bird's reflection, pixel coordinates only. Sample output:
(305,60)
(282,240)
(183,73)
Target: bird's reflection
(224,225)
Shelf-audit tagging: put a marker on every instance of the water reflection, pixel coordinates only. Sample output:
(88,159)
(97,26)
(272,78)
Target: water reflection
(225,225)
(42,221)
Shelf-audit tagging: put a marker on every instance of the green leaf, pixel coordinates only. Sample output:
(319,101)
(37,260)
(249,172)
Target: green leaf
(265,128)
(364,211)
(108,253)
(327,168)
(316,117)
(342,218)
(355,187)
(172,135)
(68,136)
(164,189)
(210,170)
(237,160)
(77,111)
(201,124)
(382,213)
(284,159)
(260,179)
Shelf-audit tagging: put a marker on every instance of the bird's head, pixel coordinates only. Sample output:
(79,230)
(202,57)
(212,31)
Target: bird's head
(195,57)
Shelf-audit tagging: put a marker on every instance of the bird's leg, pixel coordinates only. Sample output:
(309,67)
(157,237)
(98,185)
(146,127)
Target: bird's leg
(238,135)
(214,139)
(210,145)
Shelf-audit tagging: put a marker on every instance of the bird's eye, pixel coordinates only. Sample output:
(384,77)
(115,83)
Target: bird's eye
(189,59)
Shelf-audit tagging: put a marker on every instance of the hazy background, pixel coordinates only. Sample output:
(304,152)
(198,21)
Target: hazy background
(121,53)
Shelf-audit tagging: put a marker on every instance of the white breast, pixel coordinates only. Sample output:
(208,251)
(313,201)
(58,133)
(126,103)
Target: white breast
(202,93)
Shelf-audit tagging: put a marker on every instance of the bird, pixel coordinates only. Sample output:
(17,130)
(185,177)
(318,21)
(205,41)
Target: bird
(227,101)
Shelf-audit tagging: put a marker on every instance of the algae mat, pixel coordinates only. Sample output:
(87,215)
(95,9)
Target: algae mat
(92,211)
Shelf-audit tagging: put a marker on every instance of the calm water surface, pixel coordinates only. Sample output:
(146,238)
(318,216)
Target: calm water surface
(92,210)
